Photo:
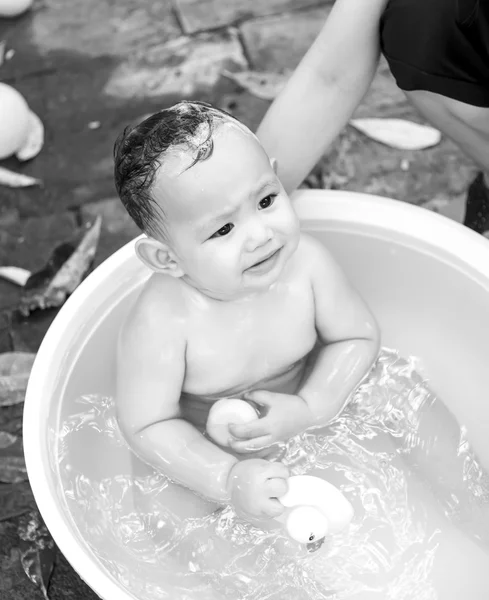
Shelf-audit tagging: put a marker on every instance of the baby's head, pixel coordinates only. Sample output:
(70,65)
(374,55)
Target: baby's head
(201,187)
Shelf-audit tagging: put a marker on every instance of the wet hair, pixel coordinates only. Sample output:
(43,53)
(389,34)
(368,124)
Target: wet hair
(140,150)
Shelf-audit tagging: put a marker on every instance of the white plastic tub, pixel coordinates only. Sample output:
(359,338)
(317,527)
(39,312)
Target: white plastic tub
(425,277)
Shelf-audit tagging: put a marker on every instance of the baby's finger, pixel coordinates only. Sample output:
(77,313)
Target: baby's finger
(277,487)
(273,508)
(261,397)
(247,431)
(253,445)
(277,470)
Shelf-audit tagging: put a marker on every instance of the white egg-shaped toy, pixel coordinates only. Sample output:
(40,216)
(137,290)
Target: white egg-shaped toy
(14,8)
(14,120)
(315,508)
(224,413)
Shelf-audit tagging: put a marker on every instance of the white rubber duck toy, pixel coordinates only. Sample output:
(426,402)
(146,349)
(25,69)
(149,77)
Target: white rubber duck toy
(314,507)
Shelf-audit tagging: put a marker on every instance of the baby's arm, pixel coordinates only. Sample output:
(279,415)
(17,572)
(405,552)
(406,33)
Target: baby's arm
(150,375)
(348,333)
(324,90)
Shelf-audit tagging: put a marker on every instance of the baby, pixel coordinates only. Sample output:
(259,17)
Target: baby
(240,304)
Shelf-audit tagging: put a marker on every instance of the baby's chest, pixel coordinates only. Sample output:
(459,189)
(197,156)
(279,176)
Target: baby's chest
(231,348)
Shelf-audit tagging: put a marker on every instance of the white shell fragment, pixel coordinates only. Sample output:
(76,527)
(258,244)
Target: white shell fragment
(13,8)
(14,120)
(17,180)
(35,139)
(265,85)
(398,133)
(15,275)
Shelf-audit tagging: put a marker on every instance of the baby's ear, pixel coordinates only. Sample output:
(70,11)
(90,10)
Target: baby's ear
(158,257)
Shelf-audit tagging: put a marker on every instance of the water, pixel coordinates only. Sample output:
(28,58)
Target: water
(419,494)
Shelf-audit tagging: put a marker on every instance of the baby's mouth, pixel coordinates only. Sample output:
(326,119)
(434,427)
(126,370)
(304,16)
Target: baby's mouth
(261,262)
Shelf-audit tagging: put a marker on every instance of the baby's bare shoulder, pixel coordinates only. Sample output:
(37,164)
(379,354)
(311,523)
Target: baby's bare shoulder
(313,255)
(158,312)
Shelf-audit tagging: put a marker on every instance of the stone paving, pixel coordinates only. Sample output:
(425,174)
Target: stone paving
(89,68)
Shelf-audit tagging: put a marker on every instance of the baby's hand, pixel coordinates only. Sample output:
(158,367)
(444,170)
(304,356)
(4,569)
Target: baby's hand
(255,487)
(285,416)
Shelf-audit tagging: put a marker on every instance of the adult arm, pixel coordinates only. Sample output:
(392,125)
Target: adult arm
(324,90)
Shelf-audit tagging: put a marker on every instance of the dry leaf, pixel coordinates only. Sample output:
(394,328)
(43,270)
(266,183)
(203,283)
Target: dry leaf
(65,270)
(40,279)
(7,439)
(15,369)
(12,469)
(265,85)
(15,275)
(142,118)
(398,133)
(35,139)
(15,499)
(17,180)
(37,551)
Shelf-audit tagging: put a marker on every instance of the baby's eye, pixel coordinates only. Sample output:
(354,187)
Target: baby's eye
(225,229)
(267,202)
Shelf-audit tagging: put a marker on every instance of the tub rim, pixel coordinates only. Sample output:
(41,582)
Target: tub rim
(311,205)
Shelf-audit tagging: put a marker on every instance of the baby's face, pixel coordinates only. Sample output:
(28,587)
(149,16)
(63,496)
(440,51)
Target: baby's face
(228,219)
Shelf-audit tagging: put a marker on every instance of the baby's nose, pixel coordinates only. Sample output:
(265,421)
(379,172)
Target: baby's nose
(259,235)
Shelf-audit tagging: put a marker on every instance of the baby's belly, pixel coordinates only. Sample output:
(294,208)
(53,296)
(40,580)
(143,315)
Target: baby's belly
(195,407)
